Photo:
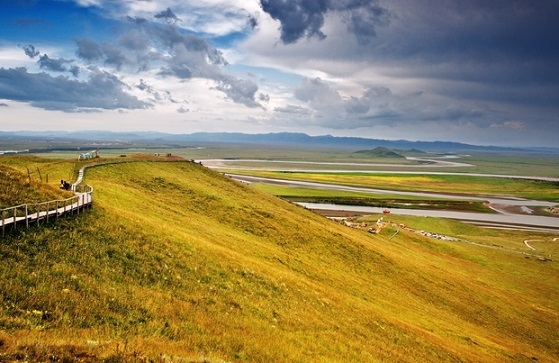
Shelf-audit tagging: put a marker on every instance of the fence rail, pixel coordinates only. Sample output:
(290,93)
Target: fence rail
(23,215)
(26,214)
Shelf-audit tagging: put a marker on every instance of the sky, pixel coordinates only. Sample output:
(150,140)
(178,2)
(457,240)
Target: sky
(477,71)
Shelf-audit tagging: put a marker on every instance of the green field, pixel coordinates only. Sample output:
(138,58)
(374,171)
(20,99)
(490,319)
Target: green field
(507,163)
(177,263)
(457,184)
(297,194)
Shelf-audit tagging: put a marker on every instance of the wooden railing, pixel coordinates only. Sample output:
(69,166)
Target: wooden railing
(35,213)
(24,215)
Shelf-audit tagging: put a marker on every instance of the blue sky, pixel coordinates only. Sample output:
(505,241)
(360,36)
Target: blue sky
(477,72)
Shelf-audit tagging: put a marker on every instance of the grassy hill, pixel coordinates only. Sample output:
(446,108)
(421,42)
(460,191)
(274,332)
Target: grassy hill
(177,263)
(380,152)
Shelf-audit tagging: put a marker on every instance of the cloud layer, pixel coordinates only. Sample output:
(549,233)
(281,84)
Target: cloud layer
(475,71)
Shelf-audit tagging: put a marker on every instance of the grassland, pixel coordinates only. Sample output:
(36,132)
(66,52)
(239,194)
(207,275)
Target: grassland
(178,263)
(310,195)
(451,184)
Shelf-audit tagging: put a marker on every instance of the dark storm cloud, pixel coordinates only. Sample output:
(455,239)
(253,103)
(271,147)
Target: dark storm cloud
(500,54)
(463,62)
(101,91)
(484,37)
(30,50)
(305,18)
(298,18)
(363,17)
(56,65)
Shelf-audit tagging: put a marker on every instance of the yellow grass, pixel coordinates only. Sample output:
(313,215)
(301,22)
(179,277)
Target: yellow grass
(175,260)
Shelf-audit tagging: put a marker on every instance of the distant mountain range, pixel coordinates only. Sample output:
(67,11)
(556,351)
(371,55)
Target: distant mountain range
(276,139)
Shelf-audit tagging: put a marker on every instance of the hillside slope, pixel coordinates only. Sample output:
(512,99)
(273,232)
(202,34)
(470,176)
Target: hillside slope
(175,260)
(16,188)
(380,152)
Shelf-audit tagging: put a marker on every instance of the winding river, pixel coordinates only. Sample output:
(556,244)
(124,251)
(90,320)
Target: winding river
(504,218)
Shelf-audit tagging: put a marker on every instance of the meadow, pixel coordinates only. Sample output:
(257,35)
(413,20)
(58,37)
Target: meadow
(452,184)
(177,263)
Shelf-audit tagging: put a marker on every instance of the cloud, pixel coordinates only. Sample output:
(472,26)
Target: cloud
(167,16)
(317,93)
(510,124)
(162,46)
(239,90)
(30,51)
(378,105)
(305,18)
(90,50)
(252,21)
(56,65)
(293,110)
(75,70)
(363,17)
(101,91)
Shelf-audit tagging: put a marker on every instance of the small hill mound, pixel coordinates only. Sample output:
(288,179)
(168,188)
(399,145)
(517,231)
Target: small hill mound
(380,152)
(416,151)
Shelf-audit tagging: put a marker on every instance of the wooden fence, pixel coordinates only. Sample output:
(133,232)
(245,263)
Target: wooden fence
(24,215)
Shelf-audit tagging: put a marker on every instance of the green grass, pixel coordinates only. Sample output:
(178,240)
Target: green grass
(459,184)
(309,195)
(175,260)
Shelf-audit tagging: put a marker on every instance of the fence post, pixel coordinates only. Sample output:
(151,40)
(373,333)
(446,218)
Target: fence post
(26,217)
(48,210)
(2,216)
